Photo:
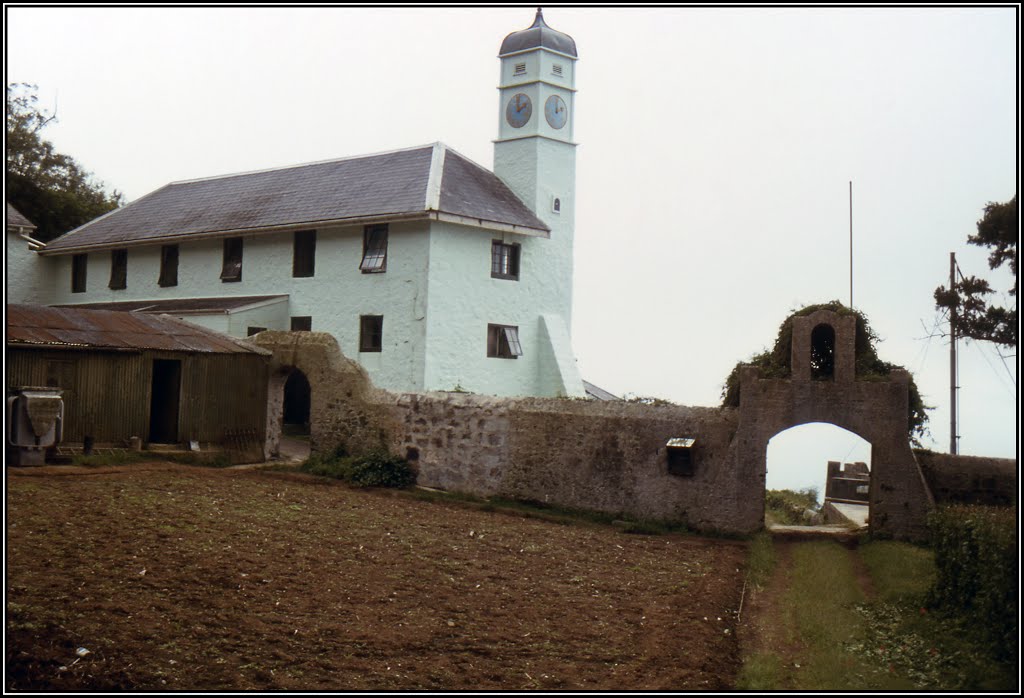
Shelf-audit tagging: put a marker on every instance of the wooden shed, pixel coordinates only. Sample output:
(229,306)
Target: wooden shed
(124,375)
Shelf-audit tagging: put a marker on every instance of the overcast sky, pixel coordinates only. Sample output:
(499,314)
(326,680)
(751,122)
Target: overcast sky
(716,150)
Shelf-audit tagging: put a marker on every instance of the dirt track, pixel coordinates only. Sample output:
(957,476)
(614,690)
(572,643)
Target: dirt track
(186,578)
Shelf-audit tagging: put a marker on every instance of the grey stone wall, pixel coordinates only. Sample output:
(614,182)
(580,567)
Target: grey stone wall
(603,456)
(612,456)
(969,479)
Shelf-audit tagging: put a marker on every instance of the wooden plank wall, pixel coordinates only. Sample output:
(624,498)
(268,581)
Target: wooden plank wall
(107,394)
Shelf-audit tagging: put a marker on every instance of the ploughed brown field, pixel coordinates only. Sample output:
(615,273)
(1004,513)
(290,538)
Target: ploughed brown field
(176,577)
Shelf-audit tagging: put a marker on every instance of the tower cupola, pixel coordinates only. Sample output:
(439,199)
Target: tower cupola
(538,35)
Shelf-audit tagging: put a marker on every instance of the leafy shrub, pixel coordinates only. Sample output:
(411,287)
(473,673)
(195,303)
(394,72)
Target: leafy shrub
(794,508)
(776,364)
(374,469)
(976,564)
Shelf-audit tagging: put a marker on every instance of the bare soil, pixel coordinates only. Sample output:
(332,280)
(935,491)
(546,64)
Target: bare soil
(174,577)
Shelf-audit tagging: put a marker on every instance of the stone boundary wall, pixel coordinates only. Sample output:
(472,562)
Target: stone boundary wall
(969,479)
(602,456)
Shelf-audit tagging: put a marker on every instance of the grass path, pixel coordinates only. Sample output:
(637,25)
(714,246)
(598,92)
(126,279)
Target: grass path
(824,616)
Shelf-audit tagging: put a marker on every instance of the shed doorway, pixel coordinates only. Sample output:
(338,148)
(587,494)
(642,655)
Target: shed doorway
(297,398)
(164,402)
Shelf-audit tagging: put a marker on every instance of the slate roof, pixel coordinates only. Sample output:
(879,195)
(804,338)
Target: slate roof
(17,220)
(403,184)
(73,328)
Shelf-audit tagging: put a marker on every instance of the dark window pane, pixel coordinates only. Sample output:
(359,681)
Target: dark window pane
(304,256)
(255,330)
(302,323)
(504,260)
(232,270)
(371,332)
(79,267)
(375,248)
(503,342)
(118,269)
(169,265)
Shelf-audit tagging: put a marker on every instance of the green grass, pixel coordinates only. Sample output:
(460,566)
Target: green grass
(845,641)
(762,671)
(900,572)
(761,561)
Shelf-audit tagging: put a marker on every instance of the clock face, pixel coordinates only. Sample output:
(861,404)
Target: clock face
(519,110)
(555,111)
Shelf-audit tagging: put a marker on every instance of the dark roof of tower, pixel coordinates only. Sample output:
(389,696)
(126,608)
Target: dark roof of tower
(538,35)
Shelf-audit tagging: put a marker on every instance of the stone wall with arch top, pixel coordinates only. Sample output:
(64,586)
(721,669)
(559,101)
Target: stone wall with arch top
(614,456)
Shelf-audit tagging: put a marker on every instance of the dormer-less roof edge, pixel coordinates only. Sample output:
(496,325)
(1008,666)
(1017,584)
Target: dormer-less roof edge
(303,164)
(214,234)
(105,215)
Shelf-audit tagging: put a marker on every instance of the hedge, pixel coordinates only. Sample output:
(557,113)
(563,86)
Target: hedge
(977,570)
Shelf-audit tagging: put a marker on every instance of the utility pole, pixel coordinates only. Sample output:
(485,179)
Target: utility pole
(952,358)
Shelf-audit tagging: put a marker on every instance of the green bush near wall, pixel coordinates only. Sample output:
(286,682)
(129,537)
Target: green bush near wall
(977,568)
(374,469)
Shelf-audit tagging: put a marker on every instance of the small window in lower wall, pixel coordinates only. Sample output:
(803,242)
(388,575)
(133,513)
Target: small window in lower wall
(371,332)
(680,457)
(302,323)
(503,342)
(255,330)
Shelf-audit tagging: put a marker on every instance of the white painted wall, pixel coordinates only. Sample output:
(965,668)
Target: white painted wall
(464,299)
(335,297)
(29,277)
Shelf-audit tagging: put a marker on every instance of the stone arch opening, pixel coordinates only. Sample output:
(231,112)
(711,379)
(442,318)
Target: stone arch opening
(832,461)
(823,352)
(296,407)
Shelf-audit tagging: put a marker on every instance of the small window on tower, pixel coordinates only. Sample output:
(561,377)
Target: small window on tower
(520,69)
(556,69)
(556,205)
(503,342)
(371,332)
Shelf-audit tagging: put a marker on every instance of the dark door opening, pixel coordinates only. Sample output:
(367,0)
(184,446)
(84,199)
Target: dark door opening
(165,397)
(296,404)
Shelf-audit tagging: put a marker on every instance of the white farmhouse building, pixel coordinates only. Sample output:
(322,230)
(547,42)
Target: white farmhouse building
(430,270)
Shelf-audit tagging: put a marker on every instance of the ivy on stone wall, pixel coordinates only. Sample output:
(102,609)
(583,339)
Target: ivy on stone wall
(776,363)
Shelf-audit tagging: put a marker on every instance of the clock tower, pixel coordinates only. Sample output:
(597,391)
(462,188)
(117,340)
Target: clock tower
(534,153)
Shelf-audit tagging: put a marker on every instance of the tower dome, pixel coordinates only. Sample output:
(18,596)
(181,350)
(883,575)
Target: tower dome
(538,35)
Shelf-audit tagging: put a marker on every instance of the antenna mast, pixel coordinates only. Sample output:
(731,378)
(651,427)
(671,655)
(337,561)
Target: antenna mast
(952,358)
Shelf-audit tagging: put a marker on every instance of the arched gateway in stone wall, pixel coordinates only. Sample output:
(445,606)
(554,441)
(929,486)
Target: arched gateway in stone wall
(823,388)
(614,456)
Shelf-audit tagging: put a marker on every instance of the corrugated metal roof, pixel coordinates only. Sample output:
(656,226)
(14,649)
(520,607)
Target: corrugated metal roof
(179,305)
(16,219)
(382,186)
(37,325)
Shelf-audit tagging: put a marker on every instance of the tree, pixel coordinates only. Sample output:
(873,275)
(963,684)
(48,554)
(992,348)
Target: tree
(50,188)
(966,301)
